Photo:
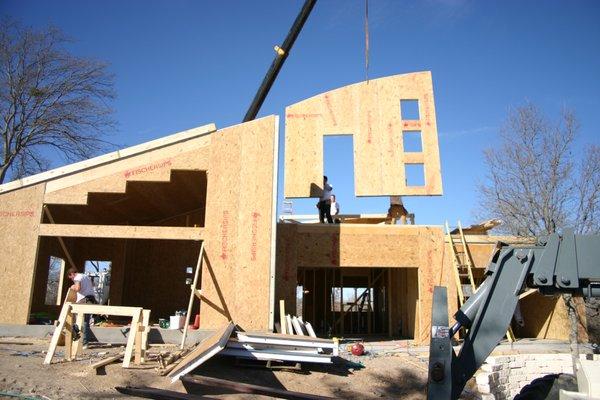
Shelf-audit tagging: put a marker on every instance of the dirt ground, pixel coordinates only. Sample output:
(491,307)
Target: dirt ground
(392,375)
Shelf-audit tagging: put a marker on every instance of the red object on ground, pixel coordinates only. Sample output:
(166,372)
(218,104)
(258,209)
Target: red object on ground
(196,322)
(358,349)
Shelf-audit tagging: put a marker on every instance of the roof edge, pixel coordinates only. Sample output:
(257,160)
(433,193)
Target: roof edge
(108,158)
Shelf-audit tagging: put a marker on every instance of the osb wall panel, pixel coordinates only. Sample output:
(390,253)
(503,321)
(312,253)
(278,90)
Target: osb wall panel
(155,275)
(287,268)
(371,112)
(332,246)
(20,215)
(547,317)
(239,218)
(155,165)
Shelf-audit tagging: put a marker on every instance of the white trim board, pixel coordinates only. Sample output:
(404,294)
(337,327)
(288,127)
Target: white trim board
(277,356)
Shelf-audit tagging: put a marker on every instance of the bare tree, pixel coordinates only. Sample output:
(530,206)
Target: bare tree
(49,100)
(535,184)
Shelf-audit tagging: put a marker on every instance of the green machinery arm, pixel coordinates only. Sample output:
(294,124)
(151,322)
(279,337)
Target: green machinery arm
(565,263)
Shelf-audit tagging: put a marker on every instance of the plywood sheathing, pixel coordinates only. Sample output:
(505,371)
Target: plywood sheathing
(20,214)
(236,274)
(154,165)
(370,111)
(179,202)
(155,275)
(355,246)
(546,317)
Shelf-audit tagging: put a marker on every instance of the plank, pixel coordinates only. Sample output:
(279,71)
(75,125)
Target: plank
(192,295)
(239,387)
(297,326)
(78,345)
(282,319)
(205,350)
(158,394)
(279,355)
(62,319)
(277,338)
(122,231)
(289,325)
(138,342)
(69,336)
(311,333)
(146,326)
(131,339)
(107,361)
(121,311)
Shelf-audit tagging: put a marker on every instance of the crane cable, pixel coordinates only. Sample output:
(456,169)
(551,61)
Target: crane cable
(367,41)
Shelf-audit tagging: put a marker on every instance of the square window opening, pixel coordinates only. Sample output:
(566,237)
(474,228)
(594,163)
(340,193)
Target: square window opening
(409,109)
(415,174)
(412,141)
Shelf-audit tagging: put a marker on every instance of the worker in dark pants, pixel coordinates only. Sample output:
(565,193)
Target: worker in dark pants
(82,284)
(324,204)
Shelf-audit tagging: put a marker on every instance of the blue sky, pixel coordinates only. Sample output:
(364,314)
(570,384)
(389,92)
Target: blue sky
(179,64)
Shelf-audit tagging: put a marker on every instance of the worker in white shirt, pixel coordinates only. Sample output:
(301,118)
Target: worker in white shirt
(82,284)
(335,209)
(324,204)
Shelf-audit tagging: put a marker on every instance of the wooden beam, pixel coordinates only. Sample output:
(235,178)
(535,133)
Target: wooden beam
(122,231)
(132,338)
(282,321)
(158,394)
(239,387)
(106,361)
(120,311)
(527,293)
(62,319)
(193,294)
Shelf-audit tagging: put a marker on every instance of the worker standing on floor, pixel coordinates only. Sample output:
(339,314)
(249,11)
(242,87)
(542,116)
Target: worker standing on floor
(335,209)
(324,204)
(82,284)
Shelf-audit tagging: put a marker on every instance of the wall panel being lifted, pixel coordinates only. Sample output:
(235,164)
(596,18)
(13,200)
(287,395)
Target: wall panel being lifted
(371,111)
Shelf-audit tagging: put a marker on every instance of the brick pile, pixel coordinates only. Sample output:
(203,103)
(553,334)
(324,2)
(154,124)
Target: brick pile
(502,377)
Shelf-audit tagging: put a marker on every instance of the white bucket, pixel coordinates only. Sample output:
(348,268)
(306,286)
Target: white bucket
(176,322)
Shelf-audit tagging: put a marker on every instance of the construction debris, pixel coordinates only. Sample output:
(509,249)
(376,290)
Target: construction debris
(204,351)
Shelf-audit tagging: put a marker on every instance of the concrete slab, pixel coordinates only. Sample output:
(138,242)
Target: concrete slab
(108,335)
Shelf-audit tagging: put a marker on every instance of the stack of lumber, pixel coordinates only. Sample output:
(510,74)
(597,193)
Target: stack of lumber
(280,347)
(297,343)
(227,341)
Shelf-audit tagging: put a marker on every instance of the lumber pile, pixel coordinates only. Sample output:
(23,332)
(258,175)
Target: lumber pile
(280,347)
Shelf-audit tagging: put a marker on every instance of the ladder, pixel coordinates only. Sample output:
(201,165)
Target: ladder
(463,271)
(463,266)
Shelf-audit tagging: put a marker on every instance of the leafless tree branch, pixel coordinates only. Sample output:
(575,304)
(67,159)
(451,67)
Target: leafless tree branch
(50,101)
